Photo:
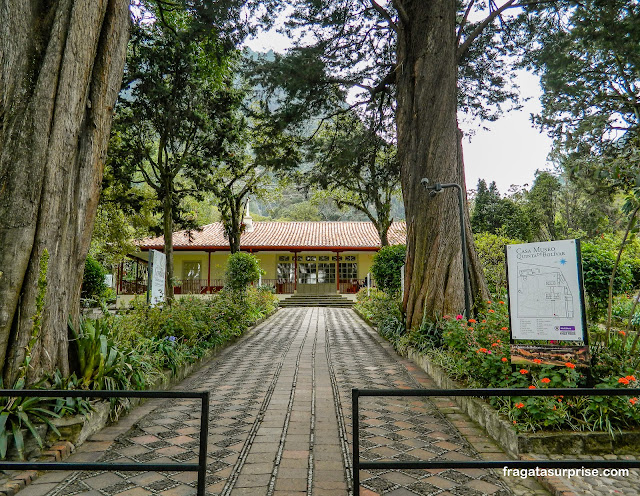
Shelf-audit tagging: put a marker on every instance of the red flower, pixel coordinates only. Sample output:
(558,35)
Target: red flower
(570,365)
(504,328)
(488,302)
(633,401)
(546,380)
(459,317)
(519,405)
(622,333)
(532,387)
(491,310)
(504,359)
(623,380)
(501,302)
(473,321)
(630,378)
(524,371)
(482,350)
(537,360)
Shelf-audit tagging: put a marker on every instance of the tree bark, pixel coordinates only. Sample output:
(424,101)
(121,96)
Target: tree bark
(61,64)
(168,237)
(429,145)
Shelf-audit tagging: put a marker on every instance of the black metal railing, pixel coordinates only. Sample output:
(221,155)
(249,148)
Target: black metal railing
(488,392)
(200,467)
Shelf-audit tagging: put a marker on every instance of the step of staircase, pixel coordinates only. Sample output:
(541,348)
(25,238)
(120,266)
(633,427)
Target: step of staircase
(316,301)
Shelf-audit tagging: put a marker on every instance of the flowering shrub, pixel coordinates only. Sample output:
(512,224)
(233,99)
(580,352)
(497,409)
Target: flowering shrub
(476,352)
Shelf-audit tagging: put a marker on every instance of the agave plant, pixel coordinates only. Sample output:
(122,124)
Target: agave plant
(102,364)
(19,413)
(69,405)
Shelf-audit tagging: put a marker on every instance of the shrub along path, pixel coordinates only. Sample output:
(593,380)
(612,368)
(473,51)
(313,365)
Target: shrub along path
(280,423)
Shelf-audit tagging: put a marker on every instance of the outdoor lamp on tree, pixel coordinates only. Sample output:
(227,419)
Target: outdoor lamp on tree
(433,191)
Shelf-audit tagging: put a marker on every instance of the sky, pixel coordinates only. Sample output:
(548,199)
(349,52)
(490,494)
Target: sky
(509,152)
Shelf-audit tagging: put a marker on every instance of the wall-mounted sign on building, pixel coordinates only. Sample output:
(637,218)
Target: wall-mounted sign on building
(157,271)
(546,302)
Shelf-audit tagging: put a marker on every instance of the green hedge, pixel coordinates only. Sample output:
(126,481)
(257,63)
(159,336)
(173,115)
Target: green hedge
(597,266)
(93,285)
(386,267)
(242,270)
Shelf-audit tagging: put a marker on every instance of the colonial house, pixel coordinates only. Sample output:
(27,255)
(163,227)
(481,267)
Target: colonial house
(297,257)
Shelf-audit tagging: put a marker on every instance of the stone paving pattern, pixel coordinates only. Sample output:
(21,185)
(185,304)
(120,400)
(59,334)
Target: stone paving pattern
(280,423)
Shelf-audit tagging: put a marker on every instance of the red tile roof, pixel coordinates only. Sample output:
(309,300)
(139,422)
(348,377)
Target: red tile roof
(285,236)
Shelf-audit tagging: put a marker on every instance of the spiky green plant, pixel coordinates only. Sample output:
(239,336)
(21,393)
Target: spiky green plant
(19,413)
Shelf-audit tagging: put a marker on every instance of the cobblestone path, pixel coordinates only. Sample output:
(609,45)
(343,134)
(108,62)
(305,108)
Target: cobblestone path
(280,423)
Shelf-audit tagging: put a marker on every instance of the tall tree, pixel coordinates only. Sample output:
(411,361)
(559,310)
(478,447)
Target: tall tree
(589,63)
(357,168)
(60,71)
(61,66)
(171,120)
(496,215)
(542,205)
(421,61)
(255,150)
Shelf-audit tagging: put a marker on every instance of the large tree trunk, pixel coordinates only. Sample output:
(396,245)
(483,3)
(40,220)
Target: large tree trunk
(61,64)
(429,145)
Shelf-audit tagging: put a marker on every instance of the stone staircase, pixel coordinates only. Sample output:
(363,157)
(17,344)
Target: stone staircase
(334,300)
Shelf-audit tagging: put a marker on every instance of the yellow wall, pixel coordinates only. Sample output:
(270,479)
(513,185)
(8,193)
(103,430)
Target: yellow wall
(365,261)
(219,263)
(268,262)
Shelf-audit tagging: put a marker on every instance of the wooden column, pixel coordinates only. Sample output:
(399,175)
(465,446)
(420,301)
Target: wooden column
(337,272)
(119,282)
(295,271)
(209,274)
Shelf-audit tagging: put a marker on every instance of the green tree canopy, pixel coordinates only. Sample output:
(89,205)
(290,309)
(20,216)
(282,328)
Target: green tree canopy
(496,215)
(589,63)
(357,168)
(172,116)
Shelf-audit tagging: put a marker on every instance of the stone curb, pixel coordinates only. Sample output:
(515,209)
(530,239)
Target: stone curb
(61,450)
(57,452)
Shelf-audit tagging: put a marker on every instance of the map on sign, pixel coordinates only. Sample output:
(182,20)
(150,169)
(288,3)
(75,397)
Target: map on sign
(543,291)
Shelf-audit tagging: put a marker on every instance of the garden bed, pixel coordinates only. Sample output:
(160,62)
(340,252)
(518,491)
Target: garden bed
(147,349)
(78,428)
(518,443)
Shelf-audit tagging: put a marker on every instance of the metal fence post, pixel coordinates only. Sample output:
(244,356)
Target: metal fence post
(204,438)
(355,424)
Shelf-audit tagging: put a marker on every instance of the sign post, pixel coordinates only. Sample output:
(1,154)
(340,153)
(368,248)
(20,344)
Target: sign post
(546,301)
(157,277)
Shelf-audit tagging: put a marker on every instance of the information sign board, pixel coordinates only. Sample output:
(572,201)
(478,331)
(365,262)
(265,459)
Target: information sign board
(157,271)
(545,291)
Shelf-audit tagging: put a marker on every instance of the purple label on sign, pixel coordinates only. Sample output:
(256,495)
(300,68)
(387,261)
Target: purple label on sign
(567,328)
